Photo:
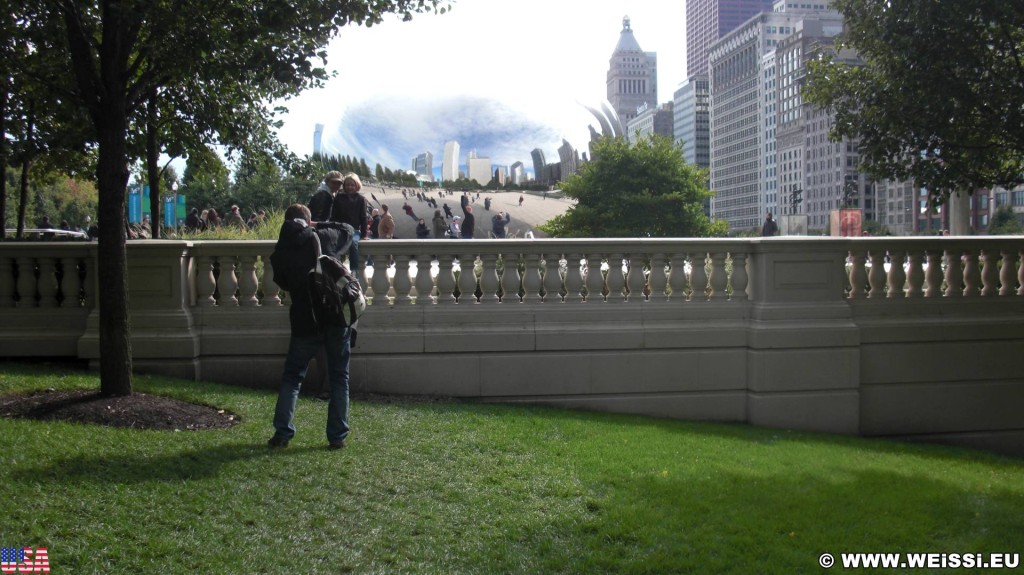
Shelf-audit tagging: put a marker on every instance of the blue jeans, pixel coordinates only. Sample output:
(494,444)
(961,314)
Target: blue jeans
(302,349)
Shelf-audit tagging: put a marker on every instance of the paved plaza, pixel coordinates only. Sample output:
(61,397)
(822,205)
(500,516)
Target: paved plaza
(535,209)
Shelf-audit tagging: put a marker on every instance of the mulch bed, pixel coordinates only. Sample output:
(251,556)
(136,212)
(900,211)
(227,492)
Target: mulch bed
(137,411)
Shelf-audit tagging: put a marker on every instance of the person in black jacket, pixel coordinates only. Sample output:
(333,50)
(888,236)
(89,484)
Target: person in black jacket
(350,208)
(294,255)
(322,201)
(468,222)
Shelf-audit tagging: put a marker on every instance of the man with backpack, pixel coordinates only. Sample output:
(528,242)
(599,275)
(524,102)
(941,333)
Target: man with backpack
(295,255)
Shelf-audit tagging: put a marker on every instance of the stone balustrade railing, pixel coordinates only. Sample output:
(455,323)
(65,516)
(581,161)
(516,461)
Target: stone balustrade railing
(831,334)
(539,271)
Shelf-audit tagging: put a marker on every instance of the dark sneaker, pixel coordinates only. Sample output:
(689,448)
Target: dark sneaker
(277,442)
(340,444)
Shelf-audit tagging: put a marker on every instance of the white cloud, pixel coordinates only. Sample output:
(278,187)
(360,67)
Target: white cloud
(506,75)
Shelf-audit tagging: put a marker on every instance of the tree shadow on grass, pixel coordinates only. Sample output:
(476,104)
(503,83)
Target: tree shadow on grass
(131,468)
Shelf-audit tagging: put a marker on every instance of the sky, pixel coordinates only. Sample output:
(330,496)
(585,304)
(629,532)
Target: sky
(499,76)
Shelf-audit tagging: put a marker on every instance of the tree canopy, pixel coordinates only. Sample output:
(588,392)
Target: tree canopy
(937,94)
(642,190)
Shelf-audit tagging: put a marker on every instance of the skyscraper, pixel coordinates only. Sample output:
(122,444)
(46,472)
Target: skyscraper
(538,165)
(423,165)
(518,173)
(318,138)
(709,20)
(632,76)
(479,168)
(450,162)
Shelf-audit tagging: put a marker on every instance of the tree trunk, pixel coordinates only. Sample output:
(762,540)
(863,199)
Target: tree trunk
(152,167)
(3,160)
(26,163)
(112,174)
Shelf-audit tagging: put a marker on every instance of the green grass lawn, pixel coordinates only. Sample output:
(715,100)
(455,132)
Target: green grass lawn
(445,487)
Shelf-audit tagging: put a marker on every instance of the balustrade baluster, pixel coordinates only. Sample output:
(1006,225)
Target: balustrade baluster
(402,284)
(248,285)
(73,285)
(227,283)
(26,282)
(915,275)
(552,279)
(467,279)
(1020,275)
(271,291)
(954,274)
(876,277)
(635,279)
(446,280)
(740,278)
(1007,275)
(595,279)
(616,279)
(933,277)
(573,278)
(990,273)
(658,279)
(6,282)
(532,279)
(972,275)
(205,283)
(677,277)
(719,279)
(858,275)
(489,280)
(699,276)
(510,279)
(897,275)
(424,283)
(381,282)
(48,287)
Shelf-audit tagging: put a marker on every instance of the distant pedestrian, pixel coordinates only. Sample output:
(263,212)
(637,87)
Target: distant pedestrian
(468,221)
(770,228)
(440,225)
(498,223)
(422,231)
(454,229)
(387,223)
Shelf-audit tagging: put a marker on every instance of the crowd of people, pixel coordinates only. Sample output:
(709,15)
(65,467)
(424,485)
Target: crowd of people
(209,219)
(340,198)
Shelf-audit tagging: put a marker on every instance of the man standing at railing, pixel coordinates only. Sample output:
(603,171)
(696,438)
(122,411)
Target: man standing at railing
(770,228)
(293,257)
(322,202)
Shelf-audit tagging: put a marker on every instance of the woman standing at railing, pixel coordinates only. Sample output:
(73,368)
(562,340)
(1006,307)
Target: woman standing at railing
(350,208)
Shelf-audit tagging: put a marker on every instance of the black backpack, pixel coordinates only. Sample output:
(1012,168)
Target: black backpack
(334,293)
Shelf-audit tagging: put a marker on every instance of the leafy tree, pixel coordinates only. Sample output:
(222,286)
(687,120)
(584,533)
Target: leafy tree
(121,52)
(937,94)
(1005,222)
(206,182)
(258,183)
(640,190)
